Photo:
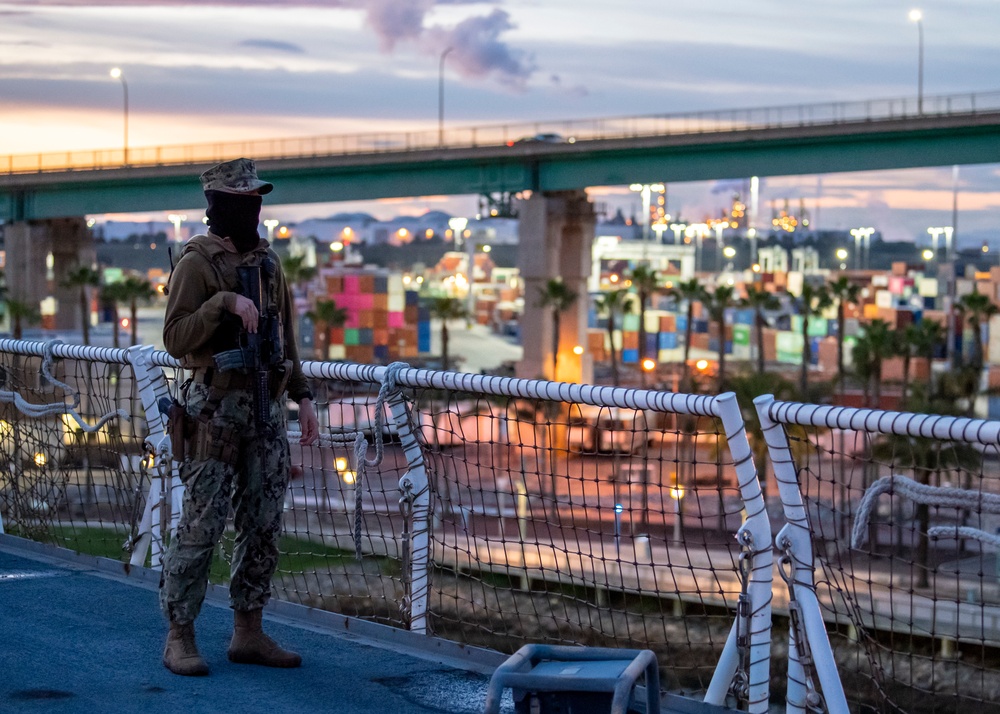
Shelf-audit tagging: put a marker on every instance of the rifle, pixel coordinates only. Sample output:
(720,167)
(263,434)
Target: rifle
(257,352)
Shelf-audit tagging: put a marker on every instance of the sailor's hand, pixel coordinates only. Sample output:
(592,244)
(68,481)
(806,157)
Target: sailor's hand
(308,423)
(247,312)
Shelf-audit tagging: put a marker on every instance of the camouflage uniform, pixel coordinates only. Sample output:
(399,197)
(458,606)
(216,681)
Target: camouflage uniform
(210,486)
(198,325)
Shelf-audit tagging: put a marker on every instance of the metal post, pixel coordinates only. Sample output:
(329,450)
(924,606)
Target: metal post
(756,531)
(441,96)
(414,481)
(798,534)
(167,496)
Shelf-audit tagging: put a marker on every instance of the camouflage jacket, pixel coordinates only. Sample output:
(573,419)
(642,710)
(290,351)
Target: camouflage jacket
(201,297)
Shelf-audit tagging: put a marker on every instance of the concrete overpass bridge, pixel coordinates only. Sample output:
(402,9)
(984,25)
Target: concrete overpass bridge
(42,196)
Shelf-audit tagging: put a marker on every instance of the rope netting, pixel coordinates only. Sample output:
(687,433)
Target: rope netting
(903,511)
(548,520)
(72,438)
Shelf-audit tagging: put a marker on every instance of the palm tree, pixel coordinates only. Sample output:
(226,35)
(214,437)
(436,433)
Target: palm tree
(723,298)
(22,312)
(758,299)
(843,291)
(83,277)
(557,296)
(811,302)
(614,303)
(136,289)
(918,340)
(870,351)
(296,271)
(325,316)
(976,309)
(114,293)
(646,282)
(690,292)
(445,309)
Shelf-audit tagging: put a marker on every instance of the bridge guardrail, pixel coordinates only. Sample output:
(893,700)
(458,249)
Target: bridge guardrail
(831,113)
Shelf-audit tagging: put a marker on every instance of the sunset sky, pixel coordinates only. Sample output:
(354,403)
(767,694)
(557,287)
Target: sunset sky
(251,70)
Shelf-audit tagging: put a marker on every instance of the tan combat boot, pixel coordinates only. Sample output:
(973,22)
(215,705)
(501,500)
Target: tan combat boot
(180,655)
(251,646)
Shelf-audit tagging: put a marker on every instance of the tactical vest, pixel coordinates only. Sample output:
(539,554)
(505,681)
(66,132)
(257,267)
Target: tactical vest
(228,335)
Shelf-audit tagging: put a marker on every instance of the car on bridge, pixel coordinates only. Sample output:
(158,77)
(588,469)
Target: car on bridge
(544,138)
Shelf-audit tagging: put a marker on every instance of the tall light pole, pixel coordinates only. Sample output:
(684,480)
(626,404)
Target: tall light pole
(116,73)
(918,17)
(441,96)
(271,224)
(862,236)
(177,219)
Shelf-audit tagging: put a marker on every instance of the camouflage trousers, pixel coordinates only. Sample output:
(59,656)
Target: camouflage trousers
(210,487)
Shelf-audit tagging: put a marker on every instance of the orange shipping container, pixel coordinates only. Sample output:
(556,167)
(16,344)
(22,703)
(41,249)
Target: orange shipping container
(770,344)
(366,283)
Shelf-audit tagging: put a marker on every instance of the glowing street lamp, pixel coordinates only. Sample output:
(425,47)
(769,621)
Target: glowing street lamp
(457,225)
(177,219)
(271,224)
(937,231)
(678,228)
(116,73)
(928,254)
(646,190)
(729,252)
(918,17)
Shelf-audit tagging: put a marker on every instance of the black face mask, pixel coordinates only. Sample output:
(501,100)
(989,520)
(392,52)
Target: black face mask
(234,216)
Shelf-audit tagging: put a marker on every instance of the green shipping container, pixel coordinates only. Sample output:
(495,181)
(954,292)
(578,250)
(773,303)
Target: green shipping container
(352,336)
(817,326)
(741,335)
(789,347)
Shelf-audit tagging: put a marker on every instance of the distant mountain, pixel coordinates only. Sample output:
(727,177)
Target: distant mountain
(359,217)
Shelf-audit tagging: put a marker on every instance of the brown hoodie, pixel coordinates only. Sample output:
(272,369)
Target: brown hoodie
(201,295)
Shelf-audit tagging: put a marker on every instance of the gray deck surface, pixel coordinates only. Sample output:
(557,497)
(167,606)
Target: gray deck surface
(77,637)
(78,634)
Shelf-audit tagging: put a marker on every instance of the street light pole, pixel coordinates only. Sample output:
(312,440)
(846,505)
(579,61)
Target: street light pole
(918,17)
(116,73)
(441,96)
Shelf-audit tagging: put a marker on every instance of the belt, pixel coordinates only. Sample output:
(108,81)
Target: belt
(209,376)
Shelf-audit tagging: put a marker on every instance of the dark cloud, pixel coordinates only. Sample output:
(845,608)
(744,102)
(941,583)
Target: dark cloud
(478,50)
(397,20)
(275,45)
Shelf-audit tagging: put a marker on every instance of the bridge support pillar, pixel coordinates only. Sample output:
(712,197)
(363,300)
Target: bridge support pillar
(28,246)
(556,233)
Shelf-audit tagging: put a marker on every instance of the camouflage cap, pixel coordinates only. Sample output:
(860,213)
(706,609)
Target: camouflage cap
(236,176)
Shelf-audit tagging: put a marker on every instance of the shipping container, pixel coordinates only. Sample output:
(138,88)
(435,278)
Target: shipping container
(667,340)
